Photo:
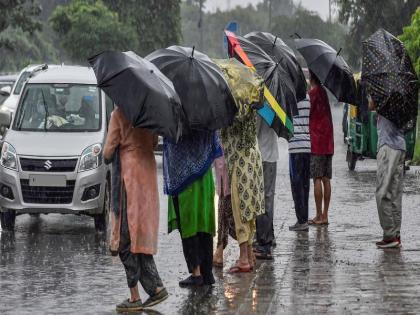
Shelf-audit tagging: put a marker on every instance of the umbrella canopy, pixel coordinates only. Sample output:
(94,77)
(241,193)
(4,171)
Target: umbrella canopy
(329,67)
(284,55)
(205,95)
(247,87)
(280,99)
(146,97)
(390,78)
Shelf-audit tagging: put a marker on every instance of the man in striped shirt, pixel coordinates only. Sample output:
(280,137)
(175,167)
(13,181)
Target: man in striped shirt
(299,165)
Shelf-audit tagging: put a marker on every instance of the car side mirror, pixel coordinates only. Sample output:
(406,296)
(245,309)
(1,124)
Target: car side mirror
(5,118)
(5,90)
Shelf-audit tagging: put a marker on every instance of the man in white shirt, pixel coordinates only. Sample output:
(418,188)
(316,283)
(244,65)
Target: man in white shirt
(267,141)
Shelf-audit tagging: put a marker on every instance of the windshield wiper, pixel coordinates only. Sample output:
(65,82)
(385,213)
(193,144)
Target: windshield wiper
(46,111)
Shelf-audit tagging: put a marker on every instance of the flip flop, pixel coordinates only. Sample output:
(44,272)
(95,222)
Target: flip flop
(239,269)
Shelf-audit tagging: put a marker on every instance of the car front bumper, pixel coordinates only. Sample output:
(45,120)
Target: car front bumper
(82,180)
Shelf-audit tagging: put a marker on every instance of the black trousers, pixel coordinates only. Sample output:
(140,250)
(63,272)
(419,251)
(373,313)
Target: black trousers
(299,169)
(138,267)
(198,250)
(264,222)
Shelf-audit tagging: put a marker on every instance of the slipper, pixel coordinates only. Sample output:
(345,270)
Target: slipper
(263,256)
(157,298)
(239,269)
(127,306)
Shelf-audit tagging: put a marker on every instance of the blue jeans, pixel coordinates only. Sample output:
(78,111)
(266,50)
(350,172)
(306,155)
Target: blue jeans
(299,169)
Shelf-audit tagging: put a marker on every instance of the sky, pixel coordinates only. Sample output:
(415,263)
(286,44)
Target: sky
(320,6)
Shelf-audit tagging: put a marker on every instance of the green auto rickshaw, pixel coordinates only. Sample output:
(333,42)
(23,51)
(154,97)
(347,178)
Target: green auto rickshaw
(361,134)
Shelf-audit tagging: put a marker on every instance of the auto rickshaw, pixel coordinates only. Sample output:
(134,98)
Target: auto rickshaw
(361,133)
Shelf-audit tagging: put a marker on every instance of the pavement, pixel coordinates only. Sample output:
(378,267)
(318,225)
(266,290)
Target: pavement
(57,264)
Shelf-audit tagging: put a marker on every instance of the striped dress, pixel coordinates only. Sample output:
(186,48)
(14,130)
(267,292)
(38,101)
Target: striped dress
(301,141)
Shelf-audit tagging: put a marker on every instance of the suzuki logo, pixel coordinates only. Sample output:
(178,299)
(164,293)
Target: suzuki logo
(47,165)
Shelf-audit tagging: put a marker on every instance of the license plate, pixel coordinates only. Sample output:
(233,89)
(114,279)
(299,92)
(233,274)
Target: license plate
(47,180)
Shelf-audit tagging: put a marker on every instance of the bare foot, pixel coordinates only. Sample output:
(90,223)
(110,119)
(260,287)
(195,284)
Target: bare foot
(218,257)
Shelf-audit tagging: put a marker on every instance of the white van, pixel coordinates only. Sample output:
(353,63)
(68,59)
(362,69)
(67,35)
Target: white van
(51,156)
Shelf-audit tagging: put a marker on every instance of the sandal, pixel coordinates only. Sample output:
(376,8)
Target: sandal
(239,269)
(313,221)
(127,306)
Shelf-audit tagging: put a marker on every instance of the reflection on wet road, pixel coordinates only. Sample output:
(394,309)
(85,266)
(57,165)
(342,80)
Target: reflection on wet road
(58,265)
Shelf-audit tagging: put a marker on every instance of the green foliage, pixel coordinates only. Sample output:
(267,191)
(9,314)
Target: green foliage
(19,14)
(366,17)
(411,39)
(303,22)
(310,25)
(87,27)
(156,22)
(23,49)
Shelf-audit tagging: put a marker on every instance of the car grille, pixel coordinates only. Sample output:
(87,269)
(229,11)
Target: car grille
(48,195)
(47,165)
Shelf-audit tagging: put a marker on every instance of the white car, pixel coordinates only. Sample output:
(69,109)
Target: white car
(12,100)
(51,155)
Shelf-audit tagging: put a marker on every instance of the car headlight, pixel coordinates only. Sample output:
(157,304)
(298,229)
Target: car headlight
(8,156)
(91,158)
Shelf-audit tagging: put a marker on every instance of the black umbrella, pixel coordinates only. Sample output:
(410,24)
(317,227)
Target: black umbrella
(283,54)
(390,78)
(146,97)
(329,67)
(204,93)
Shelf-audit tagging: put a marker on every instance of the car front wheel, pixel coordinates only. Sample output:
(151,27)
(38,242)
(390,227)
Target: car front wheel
(7,220)
(102,219)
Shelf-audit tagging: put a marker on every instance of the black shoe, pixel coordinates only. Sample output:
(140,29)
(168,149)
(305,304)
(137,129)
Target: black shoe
(157,298)
(209,280)
(191,281)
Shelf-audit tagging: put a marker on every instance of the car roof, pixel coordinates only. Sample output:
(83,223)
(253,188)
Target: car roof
(8,78)
(65,74)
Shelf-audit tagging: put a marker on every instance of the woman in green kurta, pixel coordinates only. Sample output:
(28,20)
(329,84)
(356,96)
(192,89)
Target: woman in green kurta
(190,186)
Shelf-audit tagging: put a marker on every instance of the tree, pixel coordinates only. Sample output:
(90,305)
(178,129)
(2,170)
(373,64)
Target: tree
(19,14)
(365,17)
(411,39)
(88,27)
(156,22)
(25,49)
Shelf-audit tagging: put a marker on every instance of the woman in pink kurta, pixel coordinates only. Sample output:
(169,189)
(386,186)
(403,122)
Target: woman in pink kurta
(135,228)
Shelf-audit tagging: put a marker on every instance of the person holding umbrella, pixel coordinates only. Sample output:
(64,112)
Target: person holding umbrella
(392,85)
(188,179)
(322,149)
(148,105)
(327,69)
(244,159)
(136,227)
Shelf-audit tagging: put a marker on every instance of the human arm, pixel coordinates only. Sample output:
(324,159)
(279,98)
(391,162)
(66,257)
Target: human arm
(113,137)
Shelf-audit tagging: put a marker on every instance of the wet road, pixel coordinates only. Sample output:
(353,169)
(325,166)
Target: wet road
(58,264)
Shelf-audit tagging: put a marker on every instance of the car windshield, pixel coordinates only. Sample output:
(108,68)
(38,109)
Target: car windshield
(59,107)
(19,84)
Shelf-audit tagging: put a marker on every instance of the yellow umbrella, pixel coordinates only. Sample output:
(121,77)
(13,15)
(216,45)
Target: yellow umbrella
(246,86)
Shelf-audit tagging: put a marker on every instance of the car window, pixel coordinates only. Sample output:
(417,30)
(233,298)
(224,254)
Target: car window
(21,82)
(59,107)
